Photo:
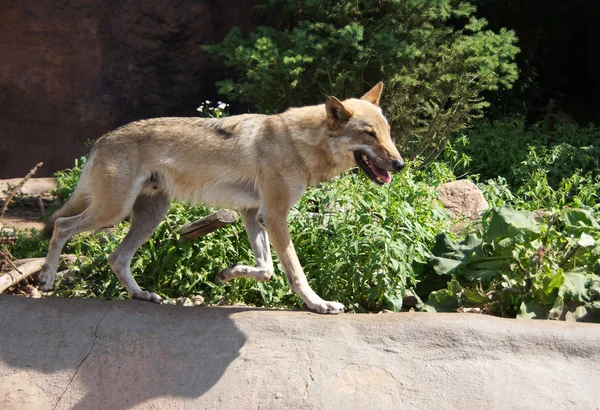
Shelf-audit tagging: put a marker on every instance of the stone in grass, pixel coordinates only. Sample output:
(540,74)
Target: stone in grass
(462,199)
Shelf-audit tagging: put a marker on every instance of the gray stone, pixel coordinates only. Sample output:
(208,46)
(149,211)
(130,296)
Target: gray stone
(184,302)
(462,199)
(74,353)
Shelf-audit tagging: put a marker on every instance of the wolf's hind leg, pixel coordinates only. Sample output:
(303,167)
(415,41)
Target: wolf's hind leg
(262,253)
(148,211)
(64,229)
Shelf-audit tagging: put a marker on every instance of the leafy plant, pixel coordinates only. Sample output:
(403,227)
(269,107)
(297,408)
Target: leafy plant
(66,180)
(435,57)
(207,110)
(518,266)
(553,146)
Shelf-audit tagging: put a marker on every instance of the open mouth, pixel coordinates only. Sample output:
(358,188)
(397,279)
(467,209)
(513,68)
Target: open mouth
(375,173)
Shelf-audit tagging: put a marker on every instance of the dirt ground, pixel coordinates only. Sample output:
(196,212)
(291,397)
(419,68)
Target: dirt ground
(27,207)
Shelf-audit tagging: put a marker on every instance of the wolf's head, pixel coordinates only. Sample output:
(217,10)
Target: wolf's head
(365,133)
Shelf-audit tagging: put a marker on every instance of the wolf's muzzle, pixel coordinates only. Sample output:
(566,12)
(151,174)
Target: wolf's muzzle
(398,164)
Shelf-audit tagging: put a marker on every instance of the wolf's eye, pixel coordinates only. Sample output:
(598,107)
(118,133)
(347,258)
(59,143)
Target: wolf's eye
(371,134)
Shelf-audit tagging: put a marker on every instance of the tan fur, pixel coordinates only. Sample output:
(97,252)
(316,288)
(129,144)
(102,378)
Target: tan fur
(258,164)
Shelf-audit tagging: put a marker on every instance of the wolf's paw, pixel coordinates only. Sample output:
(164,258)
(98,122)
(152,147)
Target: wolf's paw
(46,279)
(145,295)
(227,274)
(332,308)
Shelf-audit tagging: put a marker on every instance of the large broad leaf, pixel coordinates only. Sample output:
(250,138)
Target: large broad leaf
(445,300)
(507,223)
(442,301)
(483,271)
(586,241)
(575,287)
(447,248)
(445,266)
(547,287)
(463,259)
(394,302)
(595,287)
(533,310)
(556,313)
(580,220)
(578,314)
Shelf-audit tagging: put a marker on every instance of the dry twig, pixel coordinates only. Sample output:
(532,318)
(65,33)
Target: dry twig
(22,269)
(208,224)
(18,187)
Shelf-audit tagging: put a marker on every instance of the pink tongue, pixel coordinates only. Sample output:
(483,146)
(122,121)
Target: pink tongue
(382,173)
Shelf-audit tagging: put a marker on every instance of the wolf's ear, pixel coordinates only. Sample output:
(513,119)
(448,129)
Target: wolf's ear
(374,94)
(337,114)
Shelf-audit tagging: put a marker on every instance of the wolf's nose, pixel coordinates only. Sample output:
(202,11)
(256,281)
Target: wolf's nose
(398,164)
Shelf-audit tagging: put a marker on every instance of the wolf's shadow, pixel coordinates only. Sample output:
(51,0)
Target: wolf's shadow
(122,353)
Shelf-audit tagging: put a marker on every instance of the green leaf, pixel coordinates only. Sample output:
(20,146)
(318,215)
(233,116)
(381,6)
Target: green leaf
(445,300)
(446,247)
(481,273)
(533,310)
(580,220)
(442,301)
(575,287)
(394,302)
(507,223)
(445,266)
(473,297)
(595,287)
(586,241)
(579,314)
(556,312)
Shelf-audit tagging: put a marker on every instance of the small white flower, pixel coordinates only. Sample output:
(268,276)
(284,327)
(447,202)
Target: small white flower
(219,103)
(222,106)
(201,108)
(207,102)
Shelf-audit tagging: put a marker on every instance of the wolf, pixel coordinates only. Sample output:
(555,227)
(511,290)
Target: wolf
(258,164)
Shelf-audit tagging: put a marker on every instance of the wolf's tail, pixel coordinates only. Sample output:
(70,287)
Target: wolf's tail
(76,204)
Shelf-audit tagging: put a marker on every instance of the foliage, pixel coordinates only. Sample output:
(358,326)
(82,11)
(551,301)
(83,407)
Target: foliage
(518,266)
(207,110)
(66,180)
(435,57)
(19,199)
(29,245)
(554,148)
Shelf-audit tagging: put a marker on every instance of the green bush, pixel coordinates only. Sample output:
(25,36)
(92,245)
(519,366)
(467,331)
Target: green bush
(66,180)
(518,266)
(552,164)
(435,57)
(553,148)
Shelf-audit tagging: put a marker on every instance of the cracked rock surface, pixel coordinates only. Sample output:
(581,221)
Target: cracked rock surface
(70,353)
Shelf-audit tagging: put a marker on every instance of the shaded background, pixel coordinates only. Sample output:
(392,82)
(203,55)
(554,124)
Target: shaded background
(559,62)
(72,70)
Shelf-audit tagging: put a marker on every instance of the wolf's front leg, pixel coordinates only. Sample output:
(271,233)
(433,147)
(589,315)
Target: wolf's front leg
(276,226)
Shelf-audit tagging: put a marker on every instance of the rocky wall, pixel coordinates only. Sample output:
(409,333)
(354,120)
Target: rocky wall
(71,70)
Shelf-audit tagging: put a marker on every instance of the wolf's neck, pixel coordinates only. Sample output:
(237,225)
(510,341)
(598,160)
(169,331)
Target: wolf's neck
(310,135)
